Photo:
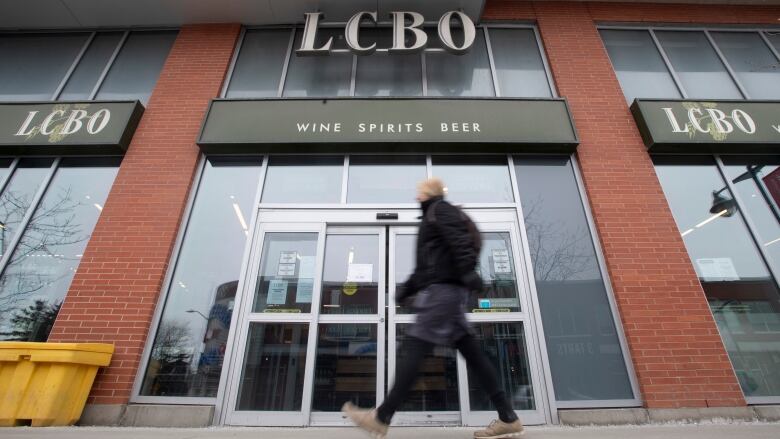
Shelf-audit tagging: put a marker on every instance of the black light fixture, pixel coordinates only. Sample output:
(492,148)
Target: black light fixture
(721,203)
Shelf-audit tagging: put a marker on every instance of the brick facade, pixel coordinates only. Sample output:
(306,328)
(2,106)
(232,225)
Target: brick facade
(116,288)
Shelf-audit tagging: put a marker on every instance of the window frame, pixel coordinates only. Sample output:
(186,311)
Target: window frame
(761,31)
(483,32)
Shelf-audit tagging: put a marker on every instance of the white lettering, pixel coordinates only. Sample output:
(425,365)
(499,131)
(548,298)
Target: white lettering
(476,127)
(48,120)
(719,119)
(673,121)
(445,32)
(102,115)
(443,127)
(741,118)
(352,33)
(419,127)
(399,32)
(361,128)
(695,120)
(24,130)
(776,127)
(310,36)
(73,123)
(303,127)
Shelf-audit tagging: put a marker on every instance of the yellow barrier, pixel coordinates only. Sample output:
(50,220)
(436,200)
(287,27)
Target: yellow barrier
(46,384)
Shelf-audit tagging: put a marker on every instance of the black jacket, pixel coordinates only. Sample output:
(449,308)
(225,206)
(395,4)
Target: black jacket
(445,250)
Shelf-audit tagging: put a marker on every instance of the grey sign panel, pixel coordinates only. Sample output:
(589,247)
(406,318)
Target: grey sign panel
(725,126)
(68,127)
(388,125)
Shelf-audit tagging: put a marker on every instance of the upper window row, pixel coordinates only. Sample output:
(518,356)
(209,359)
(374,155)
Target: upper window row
(699,64)
(502,62)
(82,65)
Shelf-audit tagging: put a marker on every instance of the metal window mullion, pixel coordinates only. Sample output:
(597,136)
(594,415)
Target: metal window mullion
(424,71)
(353,75)
(229,76)
(752,229)
(286,66)
(73,66)
(726,64)
(27,217)
(344,179)
(769,44)
(668,64)
(109,64)
(8,176)
(493,72)
(545,63)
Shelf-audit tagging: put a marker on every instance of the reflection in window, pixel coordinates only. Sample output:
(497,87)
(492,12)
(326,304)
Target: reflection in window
(258,68)
(274,366)
(756,66)
(742,294)
(472,179)
(310,179)
(186,357)
(95,59)
(638,65)
(38,274)
(346,366)
(460,75)
(519,65)
(319,76)
(388,179)
(387,74)
(497,268)
(287,271)
(437,387)
(504,344)
(350,279)
(582,343)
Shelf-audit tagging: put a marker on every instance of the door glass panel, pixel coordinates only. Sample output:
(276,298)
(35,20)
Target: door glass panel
(346,366)
(475,179)
(405,249)
(504,344)
(437,387)
(350,281)
(497,268)
(286,279)
(274,365)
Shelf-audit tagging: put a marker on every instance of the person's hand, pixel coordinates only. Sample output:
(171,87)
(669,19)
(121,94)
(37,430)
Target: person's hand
(472,281)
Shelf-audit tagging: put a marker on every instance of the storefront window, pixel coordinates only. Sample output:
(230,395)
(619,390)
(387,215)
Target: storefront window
(319,76)
(460,75)
(308,179)
(756,66)
(259,64)
(82,82)
(186,357)
(519,64)
(472,179)
(697,65)
(384,179)
(387,74)
(742,293)
(37,276)
(584,350)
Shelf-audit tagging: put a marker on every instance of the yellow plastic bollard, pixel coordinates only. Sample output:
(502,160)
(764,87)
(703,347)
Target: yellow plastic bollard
(47,384)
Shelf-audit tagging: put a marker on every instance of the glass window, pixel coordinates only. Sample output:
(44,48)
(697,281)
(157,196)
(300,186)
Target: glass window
(437,387)
(504,344)
(286,279)
(497,268)
(347,259)
(310,179)
(756,66)
(757,180)
(85,76)
(519,65)
(585,355)
(17,197)
(188,348)
(320,76)
(774,38)
(405,259)
(384,179)
(638,65)
(387,74)
(475,179)
(258,68)
(34,64)
(274,366)
(5,168)
(135,71)
(742,294)
(459,75)
(36,278)
(346,367)
(697,65)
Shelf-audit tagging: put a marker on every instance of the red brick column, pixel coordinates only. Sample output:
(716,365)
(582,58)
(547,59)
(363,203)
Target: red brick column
(677,352)
(116,288)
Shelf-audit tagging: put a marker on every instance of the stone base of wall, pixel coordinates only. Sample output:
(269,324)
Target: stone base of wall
(769,413)
(147,415)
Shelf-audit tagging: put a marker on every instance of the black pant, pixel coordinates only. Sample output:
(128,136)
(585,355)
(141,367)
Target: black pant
(408,371)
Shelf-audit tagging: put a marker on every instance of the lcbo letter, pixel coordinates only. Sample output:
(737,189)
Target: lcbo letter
(75,121)
(401,29)
(739,118)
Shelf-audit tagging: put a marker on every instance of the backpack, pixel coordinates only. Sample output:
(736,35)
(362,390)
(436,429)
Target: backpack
(476,236)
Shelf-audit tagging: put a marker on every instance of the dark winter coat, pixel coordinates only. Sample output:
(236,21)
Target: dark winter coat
(445,250)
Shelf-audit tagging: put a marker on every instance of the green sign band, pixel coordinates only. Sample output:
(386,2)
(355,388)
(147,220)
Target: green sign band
(389,125)
(68,127)
(722,126)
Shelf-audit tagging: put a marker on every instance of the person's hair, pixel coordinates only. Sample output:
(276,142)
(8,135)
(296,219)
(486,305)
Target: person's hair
(432,187)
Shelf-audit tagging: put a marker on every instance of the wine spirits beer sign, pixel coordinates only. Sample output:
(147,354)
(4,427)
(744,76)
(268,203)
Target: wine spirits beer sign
(708,126)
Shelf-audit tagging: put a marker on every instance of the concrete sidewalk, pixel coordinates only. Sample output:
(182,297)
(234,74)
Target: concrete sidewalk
(748,430)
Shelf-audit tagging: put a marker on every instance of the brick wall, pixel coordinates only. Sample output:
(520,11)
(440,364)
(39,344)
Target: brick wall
(114,293)
(674,343)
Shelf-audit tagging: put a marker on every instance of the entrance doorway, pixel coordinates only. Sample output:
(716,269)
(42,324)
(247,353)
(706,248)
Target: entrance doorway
(318,324)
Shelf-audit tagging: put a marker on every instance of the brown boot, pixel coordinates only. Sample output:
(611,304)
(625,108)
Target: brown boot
(499,429)
(365,419)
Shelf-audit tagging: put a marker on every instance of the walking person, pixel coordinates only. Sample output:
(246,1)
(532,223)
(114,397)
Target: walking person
(448,247)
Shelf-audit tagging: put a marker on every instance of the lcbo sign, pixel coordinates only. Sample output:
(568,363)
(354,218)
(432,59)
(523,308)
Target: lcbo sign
(405,24)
